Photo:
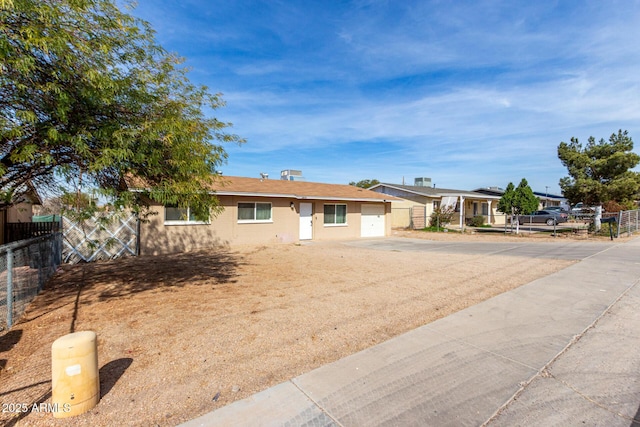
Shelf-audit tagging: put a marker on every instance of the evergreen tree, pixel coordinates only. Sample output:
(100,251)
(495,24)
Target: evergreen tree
(518,201)
(505,204)
(524,201)
(600,171)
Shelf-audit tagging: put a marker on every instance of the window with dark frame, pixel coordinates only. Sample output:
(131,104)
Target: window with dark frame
(178,215)
(335,214)
(254,212)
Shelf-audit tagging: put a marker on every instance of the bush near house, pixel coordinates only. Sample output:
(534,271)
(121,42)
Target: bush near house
(476,221)
(441,216)
(613,206)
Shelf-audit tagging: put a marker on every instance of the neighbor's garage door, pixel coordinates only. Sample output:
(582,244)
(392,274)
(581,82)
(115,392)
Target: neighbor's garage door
(372,221)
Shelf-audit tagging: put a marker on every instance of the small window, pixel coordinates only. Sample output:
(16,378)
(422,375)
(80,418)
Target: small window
(176,215)
(335,214)
(485,209)
(254,212)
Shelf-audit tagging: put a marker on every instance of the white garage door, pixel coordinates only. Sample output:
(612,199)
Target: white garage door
(372,221)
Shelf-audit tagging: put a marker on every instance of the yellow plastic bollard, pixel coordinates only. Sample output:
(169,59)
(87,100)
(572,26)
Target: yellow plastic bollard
(75,383)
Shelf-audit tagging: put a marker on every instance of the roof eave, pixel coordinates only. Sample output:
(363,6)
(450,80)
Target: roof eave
(439,193)
(404,189)
(302,197)
(469,195)
(287,196)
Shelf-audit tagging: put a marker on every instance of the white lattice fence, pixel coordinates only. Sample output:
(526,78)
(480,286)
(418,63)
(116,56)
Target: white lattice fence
(100,238)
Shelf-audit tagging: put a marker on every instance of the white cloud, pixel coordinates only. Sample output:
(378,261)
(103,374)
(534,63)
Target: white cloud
(456,91)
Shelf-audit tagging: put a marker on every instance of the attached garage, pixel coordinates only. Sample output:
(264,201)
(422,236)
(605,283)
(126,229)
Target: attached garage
(372,220)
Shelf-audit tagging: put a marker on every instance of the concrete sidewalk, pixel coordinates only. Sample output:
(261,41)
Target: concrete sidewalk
(562,350)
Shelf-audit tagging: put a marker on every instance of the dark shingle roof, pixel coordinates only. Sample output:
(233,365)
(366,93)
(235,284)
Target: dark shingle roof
(434,192)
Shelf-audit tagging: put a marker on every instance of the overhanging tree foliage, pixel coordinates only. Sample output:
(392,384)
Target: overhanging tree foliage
(600,171)
(365,183)
(88,95)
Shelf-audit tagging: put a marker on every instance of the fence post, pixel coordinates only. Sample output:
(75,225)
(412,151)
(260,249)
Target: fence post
(40,263)
(9,288)
(137,235)
(58,244)
(424,214)
(619,222)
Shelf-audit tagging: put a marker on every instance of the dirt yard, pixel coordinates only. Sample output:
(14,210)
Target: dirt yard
(182,335)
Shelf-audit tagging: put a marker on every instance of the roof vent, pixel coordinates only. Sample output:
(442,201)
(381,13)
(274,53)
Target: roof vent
(264,175)
(291,175)
(422,182)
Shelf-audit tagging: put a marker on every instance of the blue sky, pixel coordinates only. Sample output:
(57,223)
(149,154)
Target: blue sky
(469,93)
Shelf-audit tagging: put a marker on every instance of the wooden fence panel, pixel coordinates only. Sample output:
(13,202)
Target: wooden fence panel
(15,231)
(418,217)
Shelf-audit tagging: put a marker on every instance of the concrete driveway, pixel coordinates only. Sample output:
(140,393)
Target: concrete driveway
(570,250)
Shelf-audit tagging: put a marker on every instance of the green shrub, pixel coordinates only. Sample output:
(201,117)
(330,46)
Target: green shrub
(476,221)
(606,229)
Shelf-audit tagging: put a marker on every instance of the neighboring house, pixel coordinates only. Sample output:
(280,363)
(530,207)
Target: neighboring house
(264,211)
(18,212)
(545,199)
(424,199)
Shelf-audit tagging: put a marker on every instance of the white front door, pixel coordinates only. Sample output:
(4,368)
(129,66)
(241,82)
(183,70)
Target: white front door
(372,221)
(306,221)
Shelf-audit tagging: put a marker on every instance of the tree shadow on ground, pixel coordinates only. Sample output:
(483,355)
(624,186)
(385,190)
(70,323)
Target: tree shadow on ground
(7,342)
(10,339)
(123,277)
(40,399)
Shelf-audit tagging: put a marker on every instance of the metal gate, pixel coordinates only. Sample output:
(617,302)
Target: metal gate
(419,217)
(628,222)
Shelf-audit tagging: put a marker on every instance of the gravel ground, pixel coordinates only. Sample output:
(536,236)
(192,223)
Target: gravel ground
(182,335)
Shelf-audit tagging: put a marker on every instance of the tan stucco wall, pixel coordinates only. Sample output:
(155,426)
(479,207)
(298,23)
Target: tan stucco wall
(156,237)
(20,212)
